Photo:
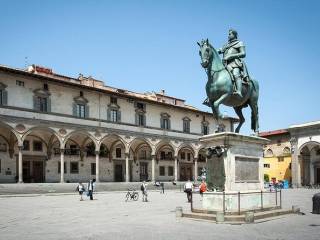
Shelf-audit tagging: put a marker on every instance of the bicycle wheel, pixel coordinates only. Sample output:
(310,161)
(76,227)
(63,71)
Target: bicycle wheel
(127,196)
(136,196)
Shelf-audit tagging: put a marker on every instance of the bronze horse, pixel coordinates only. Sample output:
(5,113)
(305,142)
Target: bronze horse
(220,88)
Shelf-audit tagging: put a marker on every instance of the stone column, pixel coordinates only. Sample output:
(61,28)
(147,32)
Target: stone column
(311,172)
(20,166)
(153,177)
(195,169)
(62,165)
(127,167)
(175,168)
(97,165)
(296,179)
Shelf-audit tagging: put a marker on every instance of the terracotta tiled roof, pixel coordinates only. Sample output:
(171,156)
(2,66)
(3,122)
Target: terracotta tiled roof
(274,132)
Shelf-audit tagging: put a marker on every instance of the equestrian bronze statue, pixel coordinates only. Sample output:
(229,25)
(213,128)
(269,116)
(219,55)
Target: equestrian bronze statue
(228,80)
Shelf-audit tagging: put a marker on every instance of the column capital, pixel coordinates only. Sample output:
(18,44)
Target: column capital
(61,150)
(20,148)
(126,154)
(96,152)
(153,156)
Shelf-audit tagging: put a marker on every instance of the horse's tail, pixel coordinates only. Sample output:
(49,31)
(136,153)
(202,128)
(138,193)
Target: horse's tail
(255,85)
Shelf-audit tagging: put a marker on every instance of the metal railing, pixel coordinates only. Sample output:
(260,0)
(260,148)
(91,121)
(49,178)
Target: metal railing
(277,200)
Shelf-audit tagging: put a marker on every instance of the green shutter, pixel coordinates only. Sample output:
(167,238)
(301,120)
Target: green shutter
(74,109)
(108,114)
(4,97)
(36,104)
(137,119)
(144,120)
(87,111)
(118,116)
(169,123)
(161,123)
(48,104)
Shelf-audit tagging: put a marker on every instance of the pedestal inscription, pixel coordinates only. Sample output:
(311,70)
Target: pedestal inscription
(247,169)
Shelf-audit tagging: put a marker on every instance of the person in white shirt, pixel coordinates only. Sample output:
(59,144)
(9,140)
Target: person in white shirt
(80,189)
(144,192)
(188,189)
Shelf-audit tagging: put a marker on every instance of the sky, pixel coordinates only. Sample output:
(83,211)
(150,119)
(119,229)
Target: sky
(151,45)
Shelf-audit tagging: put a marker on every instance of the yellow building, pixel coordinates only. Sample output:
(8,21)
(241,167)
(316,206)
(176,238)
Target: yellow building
(277,155)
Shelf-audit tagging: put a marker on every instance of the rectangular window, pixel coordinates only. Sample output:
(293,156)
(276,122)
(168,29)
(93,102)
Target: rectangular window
(170,171)
(114,115)
(74,167)
(162,155)
(113,100)
(0,97)
(93,168)
(266,165)
(20,83)
(189,156)
(81,111)
(26,145)
(118,152)
(161,171)
(59,167)
(280,159)
(140,106)
(143,155)
(37,146)
(165,123)
(186,126)
(205,130)
(169,156)
(183,156)
(42,103)
(141,120)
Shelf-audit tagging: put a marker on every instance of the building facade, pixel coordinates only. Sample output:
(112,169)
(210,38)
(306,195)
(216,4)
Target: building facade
(277,155)
(305,143)
(55,128)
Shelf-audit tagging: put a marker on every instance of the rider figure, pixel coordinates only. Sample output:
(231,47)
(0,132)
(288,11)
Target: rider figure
(233,54)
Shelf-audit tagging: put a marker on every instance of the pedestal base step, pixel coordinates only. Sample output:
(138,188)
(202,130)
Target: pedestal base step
(247,217)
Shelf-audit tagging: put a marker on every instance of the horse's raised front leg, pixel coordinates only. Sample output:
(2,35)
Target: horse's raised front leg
(217,103)
(238,111)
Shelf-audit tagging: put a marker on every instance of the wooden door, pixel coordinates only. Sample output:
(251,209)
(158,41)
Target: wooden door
(37,169)
(26,171)
(118,176)
(143,171)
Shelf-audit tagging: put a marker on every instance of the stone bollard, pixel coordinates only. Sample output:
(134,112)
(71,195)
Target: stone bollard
(295,209)
(249,217)
(220,217)
(178,212)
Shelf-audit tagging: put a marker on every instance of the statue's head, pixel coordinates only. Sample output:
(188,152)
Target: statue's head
(233,34)
(205,52)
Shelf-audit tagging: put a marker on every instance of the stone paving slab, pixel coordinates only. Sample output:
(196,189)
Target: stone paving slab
(110,217)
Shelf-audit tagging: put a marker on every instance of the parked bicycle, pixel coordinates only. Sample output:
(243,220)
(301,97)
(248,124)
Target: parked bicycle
(132,194)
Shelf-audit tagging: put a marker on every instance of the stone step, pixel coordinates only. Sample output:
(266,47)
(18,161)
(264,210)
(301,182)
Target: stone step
(237,219)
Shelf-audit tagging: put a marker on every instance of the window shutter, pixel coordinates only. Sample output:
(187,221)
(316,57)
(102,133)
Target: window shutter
(87,111)
(4,97)
(108,114)
(144,120)
(74,109)
(137,118)
(48,104)
(169,124)
(161,123)
(36,104)
(202,128)
(119,116)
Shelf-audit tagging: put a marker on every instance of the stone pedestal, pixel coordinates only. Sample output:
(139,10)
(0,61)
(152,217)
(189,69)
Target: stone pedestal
(234,164)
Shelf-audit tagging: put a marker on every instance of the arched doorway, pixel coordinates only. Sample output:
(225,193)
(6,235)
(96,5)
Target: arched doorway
(309,162)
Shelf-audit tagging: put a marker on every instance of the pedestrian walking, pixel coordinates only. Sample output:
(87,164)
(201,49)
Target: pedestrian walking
(91,185)
(162,187)
(144,191)
(80,189)
(188,189)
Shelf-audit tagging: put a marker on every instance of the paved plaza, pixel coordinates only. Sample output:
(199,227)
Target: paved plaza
(63,216)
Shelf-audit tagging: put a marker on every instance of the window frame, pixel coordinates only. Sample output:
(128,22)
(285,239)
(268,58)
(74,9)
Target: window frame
(170,168)
(160,171)
(74,171)
(34,144)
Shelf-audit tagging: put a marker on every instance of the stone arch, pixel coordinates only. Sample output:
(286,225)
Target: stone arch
(164,144)
(309,143)
(113,136)
(138,143)
(111,141)
(186,146)
(40,128)
(81,132)
(13,131)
